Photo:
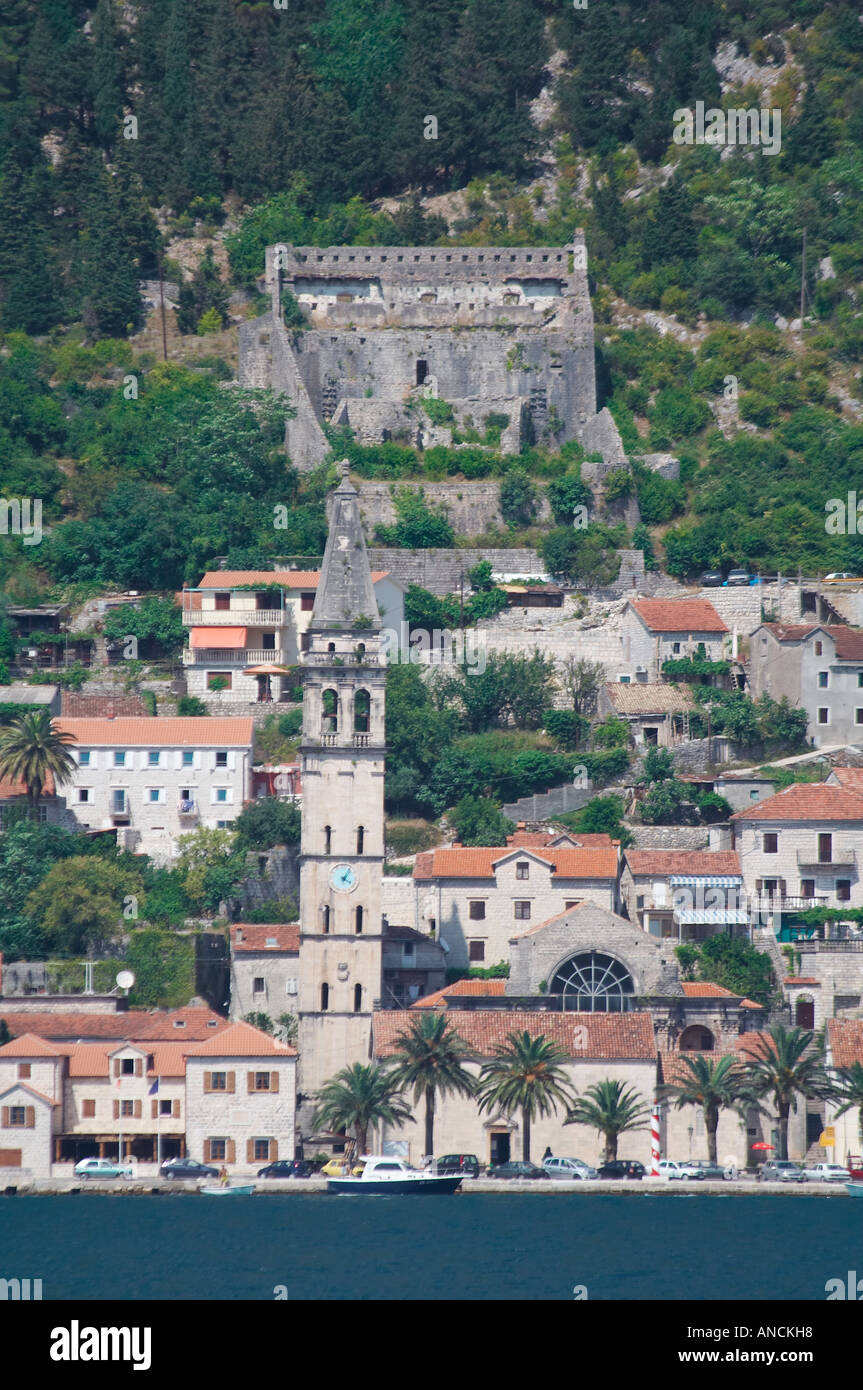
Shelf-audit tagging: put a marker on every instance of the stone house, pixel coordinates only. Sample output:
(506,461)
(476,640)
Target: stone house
(798,848)
(36,696)
(657,715)
(241,1098)
(685,895)
(250,638)
(51,809)
(655,630)
(265,964)
(154,779)
(414,965)
(818,668)
(475,898)
(844,1049)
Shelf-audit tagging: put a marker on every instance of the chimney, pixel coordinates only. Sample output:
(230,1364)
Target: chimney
(238,936)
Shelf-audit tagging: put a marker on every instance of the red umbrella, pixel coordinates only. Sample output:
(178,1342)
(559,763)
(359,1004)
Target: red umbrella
(761,1145)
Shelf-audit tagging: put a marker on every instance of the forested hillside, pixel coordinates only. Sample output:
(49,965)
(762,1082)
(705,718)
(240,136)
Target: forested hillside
(128,133)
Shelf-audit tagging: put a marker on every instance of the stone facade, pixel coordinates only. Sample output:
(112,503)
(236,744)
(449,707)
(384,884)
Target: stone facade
(800,847)
(656,631)
(816,668)
(537,955)
(247,1121)
(264,969)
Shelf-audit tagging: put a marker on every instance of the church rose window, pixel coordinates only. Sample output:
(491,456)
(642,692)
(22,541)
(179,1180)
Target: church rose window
(593,983)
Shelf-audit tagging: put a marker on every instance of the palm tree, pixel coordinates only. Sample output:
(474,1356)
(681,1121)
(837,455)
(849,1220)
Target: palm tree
(430,1062)
(31,748)
(612,1108)
(525,1074)
(785,1064)
(359,1097)
(714,1086)
(850,1090)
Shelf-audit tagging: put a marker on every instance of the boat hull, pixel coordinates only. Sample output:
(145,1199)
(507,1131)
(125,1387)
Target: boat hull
(854,1189)
(241,1190)
(395,1187)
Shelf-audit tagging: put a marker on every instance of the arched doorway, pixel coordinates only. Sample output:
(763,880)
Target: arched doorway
(593,983)
(696,1038)
(804,1011)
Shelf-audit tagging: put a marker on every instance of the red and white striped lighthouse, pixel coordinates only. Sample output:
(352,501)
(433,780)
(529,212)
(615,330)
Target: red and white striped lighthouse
(655,1150)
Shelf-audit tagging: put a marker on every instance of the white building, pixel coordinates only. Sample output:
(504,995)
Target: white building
(154,779)
(799,848)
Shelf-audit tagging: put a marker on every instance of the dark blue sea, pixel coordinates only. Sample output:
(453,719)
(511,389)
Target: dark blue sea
(512,1246)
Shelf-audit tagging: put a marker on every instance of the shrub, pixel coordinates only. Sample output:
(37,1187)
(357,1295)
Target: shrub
(190,707)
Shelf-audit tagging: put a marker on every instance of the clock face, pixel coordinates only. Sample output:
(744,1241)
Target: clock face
(343,878)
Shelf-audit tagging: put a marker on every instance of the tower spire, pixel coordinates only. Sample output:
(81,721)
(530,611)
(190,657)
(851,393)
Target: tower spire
(345,591)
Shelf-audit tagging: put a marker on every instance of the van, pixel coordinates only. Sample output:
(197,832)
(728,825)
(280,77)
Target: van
(467,1164)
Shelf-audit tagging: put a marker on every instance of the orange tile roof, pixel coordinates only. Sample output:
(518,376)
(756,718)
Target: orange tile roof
(678,614)
(424,864)
(284,937)
(287,579)
(806,801)
(150,732)
(482,989)
(10,787)
(197,1023)
(698,989)
(609,1036)
(29,1045)
(89,1059)
(850,777)
(479,862)
(688,862)
(242,1040)
(801,980)
(845,1037)
(31,1090)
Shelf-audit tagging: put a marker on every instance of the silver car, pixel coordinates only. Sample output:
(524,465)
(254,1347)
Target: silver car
(572,1169)
(781,1170)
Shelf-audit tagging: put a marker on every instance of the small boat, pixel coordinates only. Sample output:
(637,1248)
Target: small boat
(239,1189)
(393,1177)
(854,1189)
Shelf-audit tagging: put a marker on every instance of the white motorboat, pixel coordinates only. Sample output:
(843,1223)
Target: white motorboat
(383,1175)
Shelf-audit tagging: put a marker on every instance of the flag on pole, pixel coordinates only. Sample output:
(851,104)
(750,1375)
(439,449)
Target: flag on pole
(154,1088)
(654,1142)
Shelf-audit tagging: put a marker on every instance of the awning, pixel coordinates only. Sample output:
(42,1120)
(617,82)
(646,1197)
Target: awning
(219,637)
(702,881)
(719,917)
(264,670)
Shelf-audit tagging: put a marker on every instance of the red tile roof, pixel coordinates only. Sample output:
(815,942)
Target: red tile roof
(29,1045)
(253,937)
(480,989)
(845,1038)
(78,706)
(801,980)
(479,862)
(164,733)
(424,864)
(678,615)
(806,801)
(10,787)
(191,1023)
(848,640)
(700,989)
(608,1036)
(850,777)
(395,932)
(241,1040)
(686,862)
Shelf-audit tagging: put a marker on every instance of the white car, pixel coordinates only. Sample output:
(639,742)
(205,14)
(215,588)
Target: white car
(573,1169)
(826,1172)
(103,1168)
(670,1171)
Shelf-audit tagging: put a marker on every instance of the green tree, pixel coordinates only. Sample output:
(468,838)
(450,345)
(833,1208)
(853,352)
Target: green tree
(361,1097)
(658,766)
(850,1091)
(782,1065)
(567,493)
(80,902)
(603,816)
(735,964)
(712,1085)
(611,1108)
(567,728)
(267,822)
(32,750)
(429,1059)
(517,498)
(525,1074)
(206,294)
(479,821)
(211,866)
(418,526)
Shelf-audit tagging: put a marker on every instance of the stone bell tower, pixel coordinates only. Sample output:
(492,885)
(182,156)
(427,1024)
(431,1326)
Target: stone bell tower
(342,847)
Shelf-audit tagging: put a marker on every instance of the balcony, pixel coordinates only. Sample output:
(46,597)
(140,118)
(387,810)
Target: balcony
(235,617)
(188,809)
(839,859)
(232,656)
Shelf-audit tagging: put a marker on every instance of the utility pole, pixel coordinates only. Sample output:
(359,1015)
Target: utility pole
(162,304)
(803,282)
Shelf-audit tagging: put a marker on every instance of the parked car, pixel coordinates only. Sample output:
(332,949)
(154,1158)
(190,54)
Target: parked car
(621,1168)
(781,1170)
(701,1169)
(839,574)
(738,579)
(103,1168)
(287,1168)
(671,1171)
(711,579)
(338,1168)
(187,1168)
(827,1172)
(516,1169)
(573,1169)
(468,1164)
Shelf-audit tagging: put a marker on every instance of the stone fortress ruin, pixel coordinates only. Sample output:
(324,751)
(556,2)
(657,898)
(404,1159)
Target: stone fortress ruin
(497,331)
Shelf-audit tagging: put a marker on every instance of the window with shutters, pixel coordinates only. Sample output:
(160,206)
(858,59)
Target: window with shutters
(218,1150)
(88,1109)
(522,911)
(166,1107)
(262,1081)
(17,1116)
(476,950)
(127,1108)
(218,1081)
(476,912)
(258,985)
(24,1070)
(127,1066)
(261,1150)
(522,870)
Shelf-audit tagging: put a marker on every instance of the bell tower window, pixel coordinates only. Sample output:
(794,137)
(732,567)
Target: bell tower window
(358,921)
(325,998)
(325,920)
(422,370)
(361,835)
(358,998)
(328,839)
(330,715)
(362,711)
